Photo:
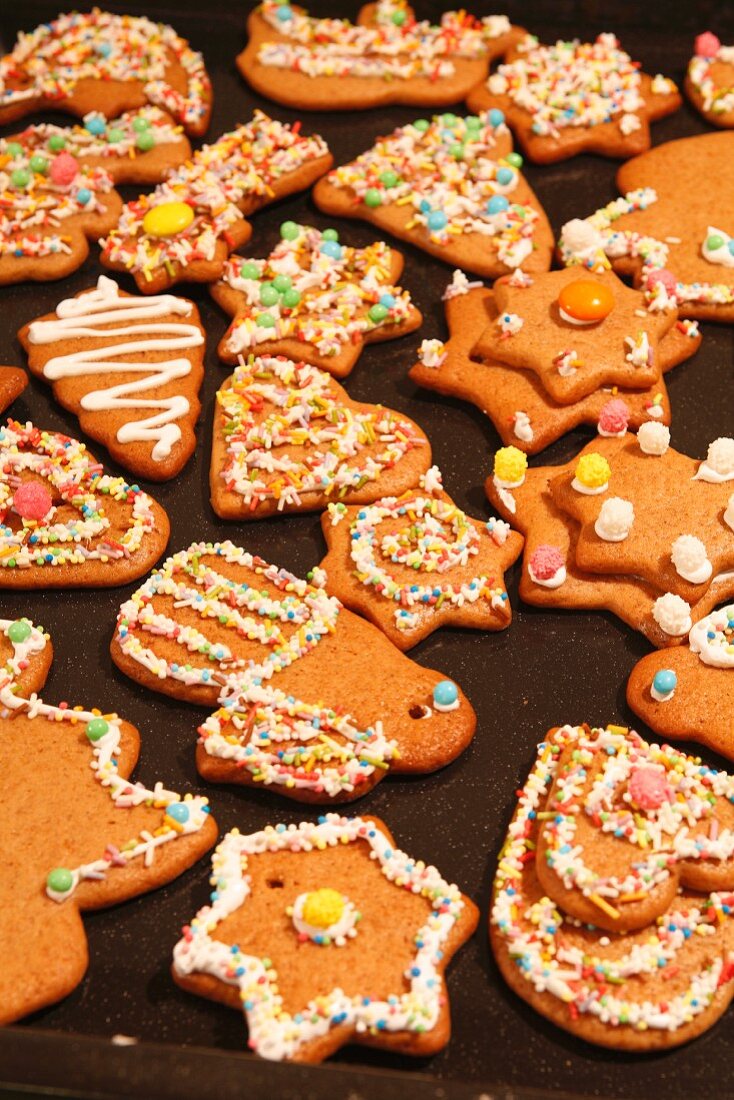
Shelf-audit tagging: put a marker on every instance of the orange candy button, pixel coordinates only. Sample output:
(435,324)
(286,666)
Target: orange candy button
(585,302)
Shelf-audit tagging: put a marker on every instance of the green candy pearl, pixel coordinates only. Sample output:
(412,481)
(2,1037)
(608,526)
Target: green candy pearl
(714,241)
(330,235)
(457,151)
(14,149)
(372,197)
(21,177)
(19,631)
(291,298)
(97,728)
(39,164)
(421,124)
(514,159)
(265,320)
(60,880)
(268,294)
(249,270)
(448,120)
(145,141)
(114,135)
(56,143)
(389,178)
(399,17)
(140,124)
(472,122)
(289,231)
(282,283)
(378,312)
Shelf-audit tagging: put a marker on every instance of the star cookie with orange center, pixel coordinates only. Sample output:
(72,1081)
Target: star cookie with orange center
(577,332)
(312,701)
(574,97)
(672,229)
(296,910)
(551,576)
(386,57)
(523,414)
(314,299)
(710,80)
(416,562)
(452,187)
(82,834)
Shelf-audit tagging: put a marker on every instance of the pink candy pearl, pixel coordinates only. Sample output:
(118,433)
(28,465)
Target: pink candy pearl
(614,416)
(64,169)
(707,45)
(546,561)
(667,278)
(31,500)
(649,788)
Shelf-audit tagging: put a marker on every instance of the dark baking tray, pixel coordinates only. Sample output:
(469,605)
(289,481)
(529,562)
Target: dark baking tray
(548,668)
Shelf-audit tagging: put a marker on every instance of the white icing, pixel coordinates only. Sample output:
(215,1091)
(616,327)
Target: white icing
(589,491)
(661,696)
(523,428)
(708,638)
(558,578)
(720,255)
(83,317)
(729,512)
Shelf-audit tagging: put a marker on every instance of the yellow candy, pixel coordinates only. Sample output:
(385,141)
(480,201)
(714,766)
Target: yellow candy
(168,219)
(510,464)
(323,908)
(593,471)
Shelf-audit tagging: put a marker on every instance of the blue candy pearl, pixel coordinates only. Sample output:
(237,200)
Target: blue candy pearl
(284,13)
(425,206)
(331,248)
(665,681)
(445,693)
(437,219)
(178,812)
(730,245)
(505,176)
(104,49)
(496,117)
(497,204)
(96,126)
(387,300)
(83,196)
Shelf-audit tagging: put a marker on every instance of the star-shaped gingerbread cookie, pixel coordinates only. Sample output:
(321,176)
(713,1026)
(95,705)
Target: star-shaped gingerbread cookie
(314,299)
(63,522)
(188,226)
(688,692)
(313,702)
(296,910)
(574,97)
(288,438)
(710,80)
(416,562)
(515,401)
(647,990)
(450,186)
(677,549)
(551,576)
(98,61)
(672,227)
(77,832)
(130,368)
(577,333)
(386,57)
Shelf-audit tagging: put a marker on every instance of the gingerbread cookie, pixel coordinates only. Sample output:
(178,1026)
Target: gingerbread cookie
(650,989)
(416,562)
(687,692)
(12,384)
(551,576)
(83,835)
(138,147)
(313,701)
(314,299)
(295,911)
(515,401)
(576,97)
(108,63)
(137,396)
(386,57)
(452,187)
(63,523)
(288,438)
(710,80)
(672,226)
(187,227)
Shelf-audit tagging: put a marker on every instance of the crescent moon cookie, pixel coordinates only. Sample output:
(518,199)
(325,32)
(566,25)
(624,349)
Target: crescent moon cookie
(97,61)
(314,299)
(187,227)
(649,989)
(130,368)
(386,57)
(416,562)
(288,438)
(84,836)
(710,80)
(63,522)
(450,186)
(551,575)
(574,97)
(295,910)
(522,412)
(688,692)
(311,700)
(672,226)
